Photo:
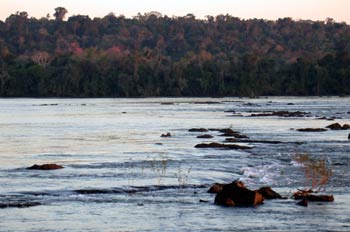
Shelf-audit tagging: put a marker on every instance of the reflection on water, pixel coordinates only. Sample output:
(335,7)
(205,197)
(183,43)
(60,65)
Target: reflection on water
(118,168)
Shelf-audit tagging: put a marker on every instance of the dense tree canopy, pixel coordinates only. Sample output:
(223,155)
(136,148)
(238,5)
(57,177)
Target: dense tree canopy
(154,55)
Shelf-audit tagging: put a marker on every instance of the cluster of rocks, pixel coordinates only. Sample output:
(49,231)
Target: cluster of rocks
(334,126)
(237,194)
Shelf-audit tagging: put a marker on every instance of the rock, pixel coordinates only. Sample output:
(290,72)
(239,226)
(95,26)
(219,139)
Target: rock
(349,136)
(337,126)
(322,198)
(19,204)
(268,193)
(235,140)
(281,114)
(303,202)
(221,146)
(203,201)
(306,194)
(235,134)
(166,135)
(311,130)
(346,127)
(198,130)
(205,136)
(216,188)
(235,195)
(334,126)
(45,167)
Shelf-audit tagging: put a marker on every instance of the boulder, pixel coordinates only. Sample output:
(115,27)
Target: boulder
(166,135)
(349,136)
(205,136)
(346,127)
(268,193)
(235,195)
(45,167)
(337,126)
(334,126)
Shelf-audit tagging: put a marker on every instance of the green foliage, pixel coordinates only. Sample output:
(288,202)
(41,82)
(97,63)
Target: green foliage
(154,55)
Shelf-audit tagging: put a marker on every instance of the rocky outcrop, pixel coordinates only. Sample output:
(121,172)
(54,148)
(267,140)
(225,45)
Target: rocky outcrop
(198,130)
(308,195)
(19,204)
(236,195)
(221,146)
(205,136)
(311,130)
(337,126)
(45,167)
(281,114)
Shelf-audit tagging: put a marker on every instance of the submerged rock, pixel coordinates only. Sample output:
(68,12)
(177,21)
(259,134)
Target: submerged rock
(205,136)
(19,204)
(281,114)
(311,130)
(45,167)
(303,202)
(235,195)
(221,146)
(307,194)
(198,130)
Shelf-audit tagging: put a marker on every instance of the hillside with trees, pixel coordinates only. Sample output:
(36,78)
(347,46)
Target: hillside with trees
(155,55)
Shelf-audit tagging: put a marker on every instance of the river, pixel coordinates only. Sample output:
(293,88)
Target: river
(121,175)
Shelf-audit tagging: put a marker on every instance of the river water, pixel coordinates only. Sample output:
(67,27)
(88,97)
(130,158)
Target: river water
(120,175)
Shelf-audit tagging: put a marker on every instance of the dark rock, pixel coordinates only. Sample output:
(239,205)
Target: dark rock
(303,202)
(306,194)
(349,136)
(235,134)
(203,201)
(281,114)
(216,188)
(198,130)
(166,135)
(221,146)
(290,104)
(268,193)
(334,126)
(45,167)
(346,127)
(235,140)
(205,136)
(322,198)
(311,130)
(235,195)
(19,204)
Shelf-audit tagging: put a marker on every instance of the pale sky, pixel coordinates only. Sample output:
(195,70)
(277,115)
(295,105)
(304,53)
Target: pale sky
(267,9)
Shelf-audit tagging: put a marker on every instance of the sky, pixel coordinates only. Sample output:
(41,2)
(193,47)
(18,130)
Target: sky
(266,9)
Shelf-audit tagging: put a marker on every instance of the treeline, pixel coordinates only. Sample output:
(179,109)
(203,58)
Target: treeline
(154,55)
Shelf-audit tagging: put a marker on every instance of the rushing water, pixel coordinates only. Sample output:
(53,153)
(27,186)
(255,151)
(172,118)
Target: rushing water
(120,175)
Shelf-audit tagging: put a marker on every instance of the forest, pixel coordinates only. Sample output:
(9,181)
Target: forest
(155,55)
